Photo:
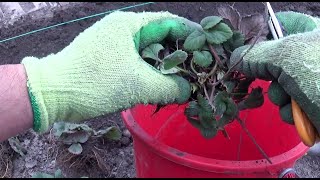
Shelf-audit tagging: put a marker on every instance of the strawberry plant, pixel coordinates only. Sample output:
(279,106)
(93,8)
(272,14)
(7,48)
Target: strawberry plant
(75,135)
(218,91)
(79,144)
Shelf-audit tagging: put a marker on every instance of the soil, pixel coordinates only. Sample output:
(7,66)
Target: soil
(43,150)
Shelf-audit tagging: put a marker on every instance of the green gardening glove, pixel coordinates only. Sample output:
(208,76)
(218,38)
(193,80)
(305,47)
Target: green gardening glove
(102,72)
(292,63)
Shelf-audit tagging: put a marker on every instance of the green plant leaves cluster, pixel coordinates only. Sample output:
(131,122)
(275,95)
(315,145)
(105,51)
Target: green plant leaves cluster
(168,64)
(225,108)
(213,31)
(200,115)
(77,134)
(202,59)
(16,146)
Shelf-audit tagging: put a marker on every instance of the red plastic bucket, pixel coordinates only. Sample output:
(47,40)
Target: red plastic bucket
(166,145)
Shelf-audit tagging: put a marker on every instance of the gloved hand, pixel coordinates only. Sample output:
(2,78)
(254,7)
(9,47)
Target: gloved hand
(292,63)
(101,71)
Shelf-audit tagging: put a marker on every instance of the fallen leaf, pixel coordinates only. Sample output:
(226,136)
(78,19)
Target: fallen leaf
(230,14)
(251,25)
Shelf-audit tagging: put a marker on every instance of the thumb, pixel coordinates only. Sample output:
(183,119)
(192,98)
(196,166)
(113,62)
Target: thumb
(184,89)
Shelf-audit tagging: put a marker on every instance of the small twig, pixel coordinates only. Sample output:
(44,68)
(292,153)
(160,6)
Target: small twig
(206,92)
(184,65)
(253,140)
(212,90)
(192,67)
(239,147)
(225,133)
(5,173)
(182,70)
(240,60)
(213,70)
(177,44)
(215,54)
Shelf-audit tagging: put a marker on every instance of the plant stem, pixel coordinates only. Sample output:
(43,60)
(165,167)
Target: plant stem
(225,133)
(215,54)
(182,70)
(213,89)
(206,93)
(192,67)
(253,140)
(251,46)
(213,70)
(241,58)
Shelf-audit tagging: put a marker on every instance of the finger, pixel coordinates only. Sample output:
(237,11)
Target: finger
(294,22)
(277,94)
(286,113)
(254,63)
(170,28)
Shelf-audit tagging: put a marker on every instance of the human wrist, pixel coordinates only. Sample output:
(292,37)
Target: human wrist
(17,115)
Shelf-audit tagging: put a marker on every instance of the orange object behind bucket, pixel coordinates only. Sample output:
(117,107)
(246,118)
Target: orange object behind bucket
(166,145)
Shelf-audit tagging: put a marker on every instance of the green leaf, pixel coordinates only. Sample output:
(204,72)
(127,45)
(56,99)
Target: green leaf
(152,51)
(174,59)
(195,41)
(195,123)
(220,74)
(192,110)
(206,119)
(75,137)
(224,120)
(78,127)
(202,58)
(170,71)
(41,175)
(242,88)
(220,108)
(254,100)
(194,87)
(237,40)
(16,146)
(232,109)
(210,21)
(219,103)
(230,85)
(218,34)
(229,112)
(58,174)
(229,108)
(203,103)
(205,114)
(112,133)
(75,149)
(208,133)
(59,128)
